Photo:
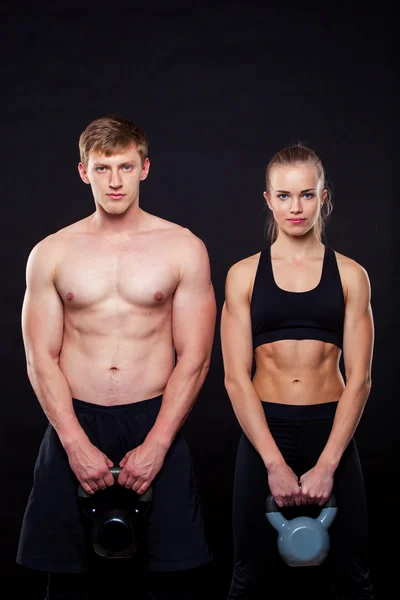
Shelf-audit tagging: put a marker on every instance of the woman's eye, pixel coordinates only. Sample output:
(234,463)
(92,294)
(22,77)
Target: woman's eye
(283,196)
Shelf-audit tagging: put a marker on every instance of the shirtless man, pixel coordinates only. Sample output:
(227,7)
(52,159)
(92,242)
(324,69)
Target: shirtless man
(118,322)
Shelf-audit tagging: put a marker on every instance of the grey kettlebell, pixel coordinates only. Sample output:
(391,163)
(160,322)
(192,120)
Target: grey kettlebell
(302,541)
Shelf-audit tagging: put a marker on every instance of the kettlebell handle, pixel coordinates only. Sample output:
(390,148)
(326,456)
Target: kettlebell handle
(115,471)
(272,506)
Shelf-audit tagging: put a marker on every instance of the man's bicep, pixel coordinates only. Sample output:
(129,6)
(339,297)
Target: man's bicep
(194,306)
(42,310)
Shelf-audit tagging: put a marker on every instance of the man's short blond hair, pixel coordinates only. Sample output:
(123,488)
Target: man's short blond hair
(110,135)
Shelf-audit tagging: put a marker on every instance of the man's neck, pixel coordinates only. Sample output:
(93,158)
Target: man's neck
(116,225)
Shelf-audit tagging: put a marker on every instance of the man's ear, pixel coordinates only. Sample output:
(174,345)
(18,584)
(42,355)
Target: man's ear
(83,173)
(145,169)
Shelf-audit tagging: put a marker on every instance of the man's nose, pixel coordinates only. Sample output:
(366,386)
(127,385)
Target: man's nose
(115,179)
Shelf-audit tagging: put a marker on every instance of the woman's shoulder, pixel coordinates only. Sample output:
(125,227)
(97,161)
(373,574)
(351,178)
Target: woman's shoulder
(346,262)
(350,270)
(241,274)
(244,265)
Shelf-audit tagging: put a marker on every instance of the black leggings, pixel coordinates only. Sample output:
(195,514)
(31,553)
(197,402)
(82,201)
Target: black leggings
(300,433)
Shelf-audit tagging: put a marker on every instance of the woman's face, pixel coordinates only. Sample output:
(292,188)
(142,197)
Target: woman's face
(295,197)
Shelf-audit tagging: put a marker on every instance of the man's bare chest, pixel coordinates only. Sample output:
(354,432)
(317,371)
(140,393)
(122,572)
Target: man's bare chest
(90,276)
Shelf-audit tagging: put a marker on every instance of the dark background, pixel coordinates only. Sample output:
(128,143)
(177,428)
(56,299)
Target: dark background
(218,88)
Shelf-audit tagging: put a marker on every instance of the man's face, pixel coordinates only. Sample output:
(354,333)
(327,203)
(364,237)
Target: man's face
(115,179)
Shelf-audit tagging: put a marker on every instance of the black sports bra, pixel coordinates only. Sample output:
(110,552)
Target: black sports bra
(316,314)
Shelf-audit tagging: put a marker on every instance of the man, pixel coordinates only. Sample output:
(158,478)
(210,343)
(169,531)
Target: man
(118,322)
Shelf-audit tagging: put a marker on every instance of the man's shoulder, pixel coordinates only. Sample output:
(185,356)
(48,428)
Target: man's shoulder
(155,222)
(181,237)
(56,240)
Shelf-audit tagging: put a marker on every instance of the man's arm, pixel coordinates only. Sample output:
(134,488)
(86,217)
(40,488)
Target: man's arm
(237,351)
(193,326)
(42,330)
(358,340)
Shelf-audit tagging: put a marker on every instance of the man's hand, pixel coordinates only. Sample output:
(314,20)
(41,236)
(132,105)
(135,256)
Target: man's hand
(316,486)
(91,467)
(284,486)
(140,466)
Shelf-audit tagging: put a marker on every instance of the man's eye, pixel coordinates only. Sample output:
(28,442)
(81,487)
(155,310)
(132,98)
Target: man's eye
(100,169)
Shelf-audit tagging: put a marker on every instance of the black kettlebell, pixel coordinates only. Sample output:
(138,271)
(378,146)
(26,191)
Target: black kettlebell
(302,541)
(113,516)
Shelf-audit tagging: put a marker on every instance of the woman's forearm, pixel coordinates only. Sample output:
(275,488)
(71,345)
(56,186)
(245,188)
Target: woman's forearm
(348,414)
(250,415)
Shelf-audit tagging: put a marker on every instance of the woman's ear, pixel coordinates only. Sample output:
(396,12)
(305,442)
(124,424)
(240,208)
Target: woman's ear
(267,200)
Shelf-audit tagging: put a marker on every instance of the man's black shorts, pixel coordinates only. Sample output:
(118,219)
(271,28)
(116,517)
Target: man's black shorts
(53,529)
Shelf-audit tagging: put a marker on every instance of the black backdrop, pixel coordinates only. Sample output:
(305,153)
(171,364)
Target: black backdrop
(218,87)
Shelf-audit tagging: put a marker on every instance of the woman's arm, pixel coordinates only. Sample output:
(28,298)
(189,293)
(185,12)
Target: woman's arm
(237,351)
(358,340)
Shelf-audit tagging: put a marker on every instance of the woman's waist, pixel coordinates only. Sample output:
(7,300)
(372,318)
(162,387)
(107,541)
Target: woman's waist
(299,388)
(277,411)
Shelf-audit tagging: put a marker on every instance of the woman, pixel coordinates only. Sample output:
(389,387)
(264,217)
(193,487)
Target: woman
(294,308)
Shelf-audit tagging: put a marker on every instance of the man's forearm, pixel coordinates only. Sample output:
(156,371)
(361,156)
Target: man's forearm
(52,390)
(179,396)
